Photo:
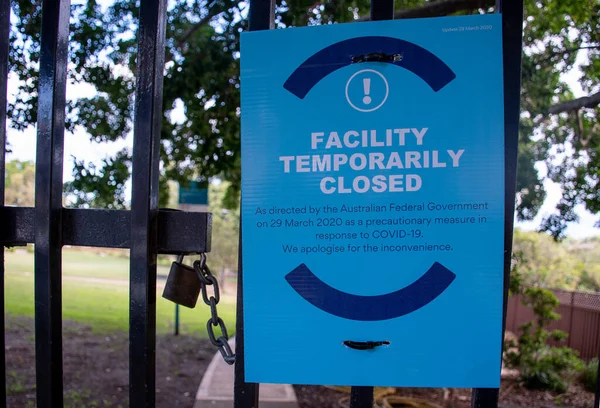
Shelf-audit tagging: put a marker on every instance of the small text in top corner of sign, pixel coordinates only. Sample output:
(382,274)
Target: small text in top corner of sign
(476,27)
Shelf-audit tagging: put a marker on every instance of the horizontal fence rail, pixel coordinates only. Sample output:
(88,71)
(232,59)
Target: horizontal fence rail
(178,232)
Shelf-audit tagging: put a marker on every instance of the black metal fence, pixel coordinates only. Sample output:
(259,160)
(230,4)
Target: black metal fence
(146,230)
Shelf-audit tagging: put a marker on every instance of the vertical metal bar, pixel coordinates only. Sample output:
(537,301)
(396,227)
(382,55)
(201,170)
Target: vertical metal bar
(48,202)
(245,395)
(512,36)
(362,397)
(176,319)
(4,32)
(144,202)
(261,16)
(382,10)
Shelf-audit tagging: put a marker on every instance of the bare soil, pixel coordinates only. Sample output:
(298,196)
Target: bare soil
(96,367)
(96,374)
(512,395)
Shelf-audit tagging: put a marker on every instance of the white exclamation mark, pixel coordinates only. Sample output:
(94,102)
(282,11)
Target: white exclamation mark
(367,88)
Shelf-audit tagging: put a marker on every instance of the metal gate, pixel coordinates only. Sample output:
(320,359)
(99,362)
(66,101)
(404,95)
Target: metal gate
(147,230)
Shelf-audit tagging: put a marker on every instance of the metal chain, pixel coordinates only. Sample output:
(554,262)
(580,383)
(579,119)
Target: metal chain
(208,279)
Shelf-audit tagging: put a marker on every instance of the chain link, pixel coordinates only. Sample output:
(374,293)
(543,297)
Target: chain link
(208,279)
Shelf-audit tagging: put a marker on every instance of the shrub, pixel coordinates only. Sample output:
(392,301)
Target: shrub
(541,366)
(551,368)
(589,375)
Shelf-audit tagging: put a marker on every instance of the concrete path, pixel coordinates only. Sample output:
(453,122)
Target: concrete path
(216,388)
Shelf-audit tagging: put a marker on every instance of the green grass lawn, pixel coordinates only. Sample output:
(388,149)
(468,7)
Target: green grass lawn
(102,305)
(79,263)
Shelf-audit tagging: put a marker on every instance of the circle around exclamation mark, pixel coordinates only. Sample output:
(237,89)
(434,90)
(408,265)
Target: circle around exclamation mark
(367,89)
(369,101)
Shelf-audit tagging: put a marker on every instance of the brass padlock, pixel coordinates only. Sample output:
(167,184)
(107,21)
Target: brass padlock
(183,284)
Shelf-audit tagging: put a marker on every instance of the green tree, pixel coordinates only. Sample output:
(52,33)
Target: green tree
(225,231)
(99,186)
(202,76)
(557,128)
(545,263)
(589,281)
(20,183)
(587,254)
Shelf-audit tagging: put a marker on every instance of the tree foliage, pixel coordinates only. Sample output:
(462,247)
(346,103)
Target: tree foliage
(544,262)
(108,180)
(587,253)
(20,183)
(556,128)
(539,261)
(202,78)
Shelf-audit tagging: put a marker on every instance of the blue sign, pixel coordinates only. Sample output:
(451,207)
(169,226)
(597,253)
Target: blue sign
(194,193)
(373,203)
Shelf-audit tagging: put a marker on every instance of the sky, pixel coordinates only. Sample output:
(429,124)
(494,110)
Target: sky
(79,146)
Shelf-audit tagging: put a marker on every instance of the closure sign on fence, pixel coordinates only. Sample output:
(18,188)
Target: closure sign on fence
(373,203)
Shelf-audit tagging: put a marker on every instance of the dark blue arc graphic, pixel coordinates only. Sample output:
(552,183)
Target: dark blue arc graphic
(416,59)
(371,308)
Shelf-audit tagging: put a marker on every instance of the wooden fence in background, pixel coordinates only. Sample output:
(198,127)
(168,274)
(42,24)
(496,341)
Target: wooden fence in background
(580,319)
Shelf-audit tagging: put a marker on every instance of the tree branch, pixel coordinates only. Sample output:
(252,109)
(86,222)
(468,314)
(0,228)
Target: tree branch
(213,11)
(567,52)
(585,102)
(439,8)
